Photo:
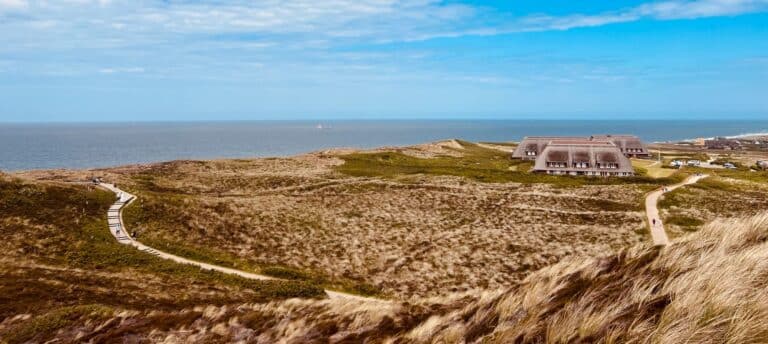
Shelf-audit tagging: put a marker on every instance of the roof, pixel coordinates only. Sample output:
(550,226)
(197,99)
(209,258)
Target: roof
(539,143)
(598,152)
(572,142)
(623,141)
(536,144)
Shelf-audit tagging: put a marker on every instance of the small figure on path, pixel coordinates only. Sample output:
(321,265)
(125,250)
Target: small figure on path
(654,222)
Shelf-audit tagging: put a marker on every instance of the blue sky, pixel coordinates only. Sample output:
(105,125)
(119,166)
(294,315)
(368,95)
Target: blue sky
(112,60)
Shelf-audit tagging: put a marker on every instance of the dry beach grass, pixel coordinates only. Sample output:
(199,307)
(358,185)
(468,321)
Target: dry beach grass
(708,288)
(464,254)
(400,235)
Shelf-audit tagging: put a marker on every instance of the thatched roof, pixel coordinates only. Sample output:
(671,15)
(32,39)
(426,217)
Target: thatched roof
(591,152)
(611,157)
(539,143)
(580,156)
(557,155)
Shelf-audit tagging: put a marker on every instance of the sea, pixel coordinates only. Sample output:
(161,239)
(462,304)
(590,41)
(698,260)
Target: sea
(93,145)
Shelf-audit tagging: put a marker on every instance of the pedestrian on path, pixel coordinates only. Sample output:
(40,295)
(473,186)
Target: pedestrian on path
(654,222)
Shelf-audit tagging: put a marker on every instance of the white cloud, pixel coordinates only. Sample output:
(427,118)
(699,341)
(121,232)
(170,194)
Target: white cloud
(13,5)
(663,10)
(699,9)
(121,70)
(369,20)
(163,34)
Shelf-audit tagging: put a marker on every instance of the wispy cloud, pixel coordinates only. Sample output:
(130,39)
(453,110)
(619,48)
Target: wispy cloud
(371,20)
(252,37)
(664,10)
(9,5)
(121,70)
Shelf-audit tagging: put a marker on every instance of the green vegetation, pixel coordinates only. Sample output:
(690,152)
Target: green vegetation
(52,321)
(743,174)
(66,226)
(199,253)
(350,286)
(102,252)
(674,198)
(51,204)
(688,223)
(155,213)
(476,163)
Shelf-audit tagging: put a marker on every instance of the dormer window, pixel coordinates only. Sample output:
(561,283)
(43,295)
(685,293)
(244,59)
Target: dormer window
(610,165)
(581,164)
(557,164)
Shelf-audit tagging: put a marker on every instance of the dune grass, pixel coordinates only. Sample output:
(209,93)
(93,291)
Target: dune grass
(49,228)
(707,288)
(52,321)
(156,214)
(651,168)
(688,223)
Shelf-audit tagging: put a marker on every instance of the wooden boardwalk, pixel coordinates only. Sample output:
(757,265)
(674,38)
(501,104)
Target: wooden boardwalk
(121,234)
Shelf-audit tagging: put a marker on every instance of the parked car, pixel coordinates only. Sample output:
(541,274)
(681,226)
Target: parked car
(694,163)
(729,165)
(676,163)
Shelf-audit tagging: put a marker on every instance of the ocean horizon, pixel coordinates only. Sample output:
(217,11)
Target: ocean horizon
(26,146)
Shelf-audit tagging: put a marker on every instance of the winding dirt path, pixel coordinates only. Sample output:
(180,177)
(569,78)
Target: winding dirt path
(121,234)
(652,211)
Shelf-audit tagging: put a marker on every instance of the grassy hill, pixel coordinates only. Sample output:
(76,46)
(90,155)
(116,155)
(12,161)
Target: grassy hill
(60,267)
(466,245)
(708,288)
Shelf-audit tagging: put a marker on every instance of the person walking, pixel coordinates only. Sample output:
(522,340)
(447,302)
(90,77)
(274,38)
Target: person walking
(654,222)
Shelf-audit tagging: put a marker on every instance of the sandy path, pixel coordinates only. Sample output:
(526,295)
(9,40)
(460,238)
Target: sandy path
(652,211)
(118,230)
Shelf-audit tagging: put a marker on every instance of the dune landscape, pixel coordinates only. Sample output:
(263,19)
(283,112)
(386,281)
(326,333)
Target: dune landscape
(438,255)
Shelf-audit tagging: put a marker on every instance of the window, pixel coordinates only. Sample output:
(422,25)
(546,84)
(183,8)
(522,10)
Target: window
(581,164)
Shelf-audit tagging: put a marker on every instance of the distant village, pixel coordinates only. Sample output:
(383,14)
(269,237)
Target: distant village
(609,155)
(724,143)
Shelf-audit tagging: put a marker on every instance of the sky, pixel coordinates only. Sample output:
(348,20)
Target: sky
(145,60)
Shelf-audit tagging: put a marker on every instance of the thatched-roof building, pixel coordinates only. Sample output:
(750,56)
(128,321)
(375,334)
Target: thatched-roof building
(630,145)
(587,157)
(532,146)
